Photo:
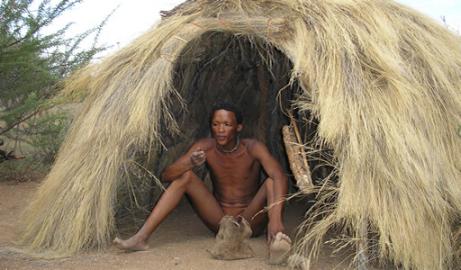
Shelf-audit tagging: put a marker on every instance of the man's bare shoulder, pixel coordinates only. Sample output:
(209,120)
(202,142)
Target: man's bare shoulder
(253,145)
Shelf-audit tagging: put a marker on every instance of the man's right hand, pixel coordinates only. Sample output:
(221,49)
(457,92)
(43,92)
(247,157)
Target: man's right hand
(198,158)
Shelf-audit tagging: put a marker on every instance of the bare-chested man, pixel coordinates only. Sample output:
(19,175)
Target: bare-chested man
(235,166)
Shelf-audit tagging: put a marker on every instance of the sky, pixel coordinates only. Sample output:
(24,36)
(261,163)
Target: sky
(131,18)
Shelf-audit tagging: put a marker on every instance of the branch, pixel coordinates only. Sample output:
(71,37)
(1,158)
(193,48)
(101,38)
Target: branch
(8,128)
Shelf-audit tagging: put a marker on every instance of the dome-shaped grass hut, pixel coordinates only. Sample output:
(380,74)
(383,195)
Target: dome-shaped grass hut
(373,82)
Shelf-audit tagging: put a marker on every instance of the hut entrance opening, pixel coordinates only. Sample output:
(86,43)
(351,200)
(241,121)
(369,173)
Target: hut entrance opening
(248,72)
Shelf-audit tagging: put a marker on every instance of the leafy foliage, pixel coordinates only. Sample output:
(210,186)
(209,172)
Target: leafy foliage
(32,63)
(48,135)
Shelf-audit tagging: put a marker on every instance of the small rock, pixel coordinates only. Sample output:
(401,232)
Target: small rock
(176,260)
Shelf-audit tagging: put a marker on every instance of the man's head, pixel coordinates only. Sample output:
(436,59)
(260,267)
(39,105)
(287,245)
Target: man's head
(227,106)
(225,123)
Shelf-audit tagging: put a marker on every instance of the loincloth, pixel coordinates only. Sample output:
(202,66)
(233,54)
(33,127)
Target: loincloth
(258,221)
(232,209)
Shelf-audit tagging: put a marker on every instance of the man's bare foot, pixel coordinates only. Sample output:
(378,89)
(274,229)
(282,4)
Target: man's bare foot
(279,249)
(130,244)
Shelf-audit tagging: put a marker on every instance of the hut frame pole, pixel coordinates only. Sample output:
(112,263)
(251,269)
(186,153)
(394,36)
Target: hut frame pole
(362,246)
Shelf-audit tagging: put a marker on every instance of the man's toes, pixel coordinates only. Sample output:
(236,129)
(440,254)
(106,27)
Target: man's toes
(279,249)
(284,237)
(117,241)
(129,245)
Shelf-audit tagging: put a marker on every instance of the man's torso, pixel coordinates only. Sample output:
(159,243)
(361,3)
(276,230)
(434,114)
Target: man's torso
(235,176)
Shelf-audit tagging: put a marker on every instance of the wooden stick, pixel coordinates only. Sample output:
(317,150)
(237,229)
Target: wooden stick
(295,157)
(298,139)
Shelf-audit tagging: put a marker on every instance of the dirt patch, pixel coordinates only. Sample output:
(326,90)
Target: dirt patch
(181,242)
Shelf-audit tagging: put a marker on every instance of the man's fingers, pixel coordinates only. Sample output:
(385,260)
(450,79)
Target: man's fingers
(198,153)
(198,157)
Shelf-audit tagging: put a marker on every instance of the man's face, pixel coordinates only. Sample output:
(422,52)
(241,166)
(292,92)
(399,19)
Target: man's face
(224,127)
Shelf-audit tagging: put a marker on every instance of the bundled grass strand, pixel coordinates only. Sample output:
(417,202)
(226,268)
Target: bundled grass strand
(383,80)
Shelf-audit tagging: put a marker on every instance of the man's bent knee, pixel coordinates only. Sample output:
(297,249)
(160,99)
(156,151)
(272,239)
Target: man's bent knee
(187,176)
(184,180)
(269,183)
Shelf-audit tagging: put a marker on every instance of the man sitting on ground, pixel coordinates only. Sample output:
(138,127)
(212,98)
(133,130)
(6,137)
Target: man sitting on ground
(234,166)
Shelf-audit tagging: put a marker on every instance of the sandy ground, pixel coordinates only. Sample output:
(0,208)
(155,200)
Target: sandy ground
(181,242)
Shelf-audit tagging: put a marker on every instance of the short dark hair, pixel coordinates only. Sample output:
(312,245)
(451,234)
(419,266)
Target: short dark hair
(225,105)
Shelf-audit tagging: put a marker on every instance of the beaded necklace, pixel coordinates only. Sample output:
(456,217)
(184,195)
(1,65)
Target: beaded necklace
(233,149)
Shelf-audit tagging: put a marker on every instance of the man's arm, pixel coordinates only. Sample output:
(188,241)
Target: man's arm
(194,157)
(274,170)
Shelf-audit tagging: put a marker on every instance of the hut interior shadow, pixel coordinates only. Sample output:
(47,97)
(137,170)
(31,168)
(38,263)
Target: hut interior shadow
(224,67)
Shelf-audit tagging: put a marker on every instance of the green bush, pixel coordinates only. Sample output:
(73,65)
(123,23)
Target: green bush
(48,135)
(32,65)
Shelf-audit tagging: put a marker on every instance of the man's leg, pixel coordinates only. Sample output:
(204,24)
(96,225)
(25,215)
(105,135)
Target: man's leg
(204,203)
(279,243)
(257,216)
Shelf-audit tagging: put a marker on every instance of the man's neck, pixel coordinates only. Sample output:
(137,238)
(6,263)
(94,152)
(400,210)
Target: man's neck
(229,150)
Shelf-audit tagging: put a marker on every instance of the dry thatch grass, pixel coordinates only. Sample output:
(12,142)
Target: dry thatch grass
(383,80)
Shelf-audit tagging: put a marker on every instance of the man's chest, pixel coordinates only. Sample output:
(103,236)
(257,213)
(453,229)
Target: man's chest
(229,164)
